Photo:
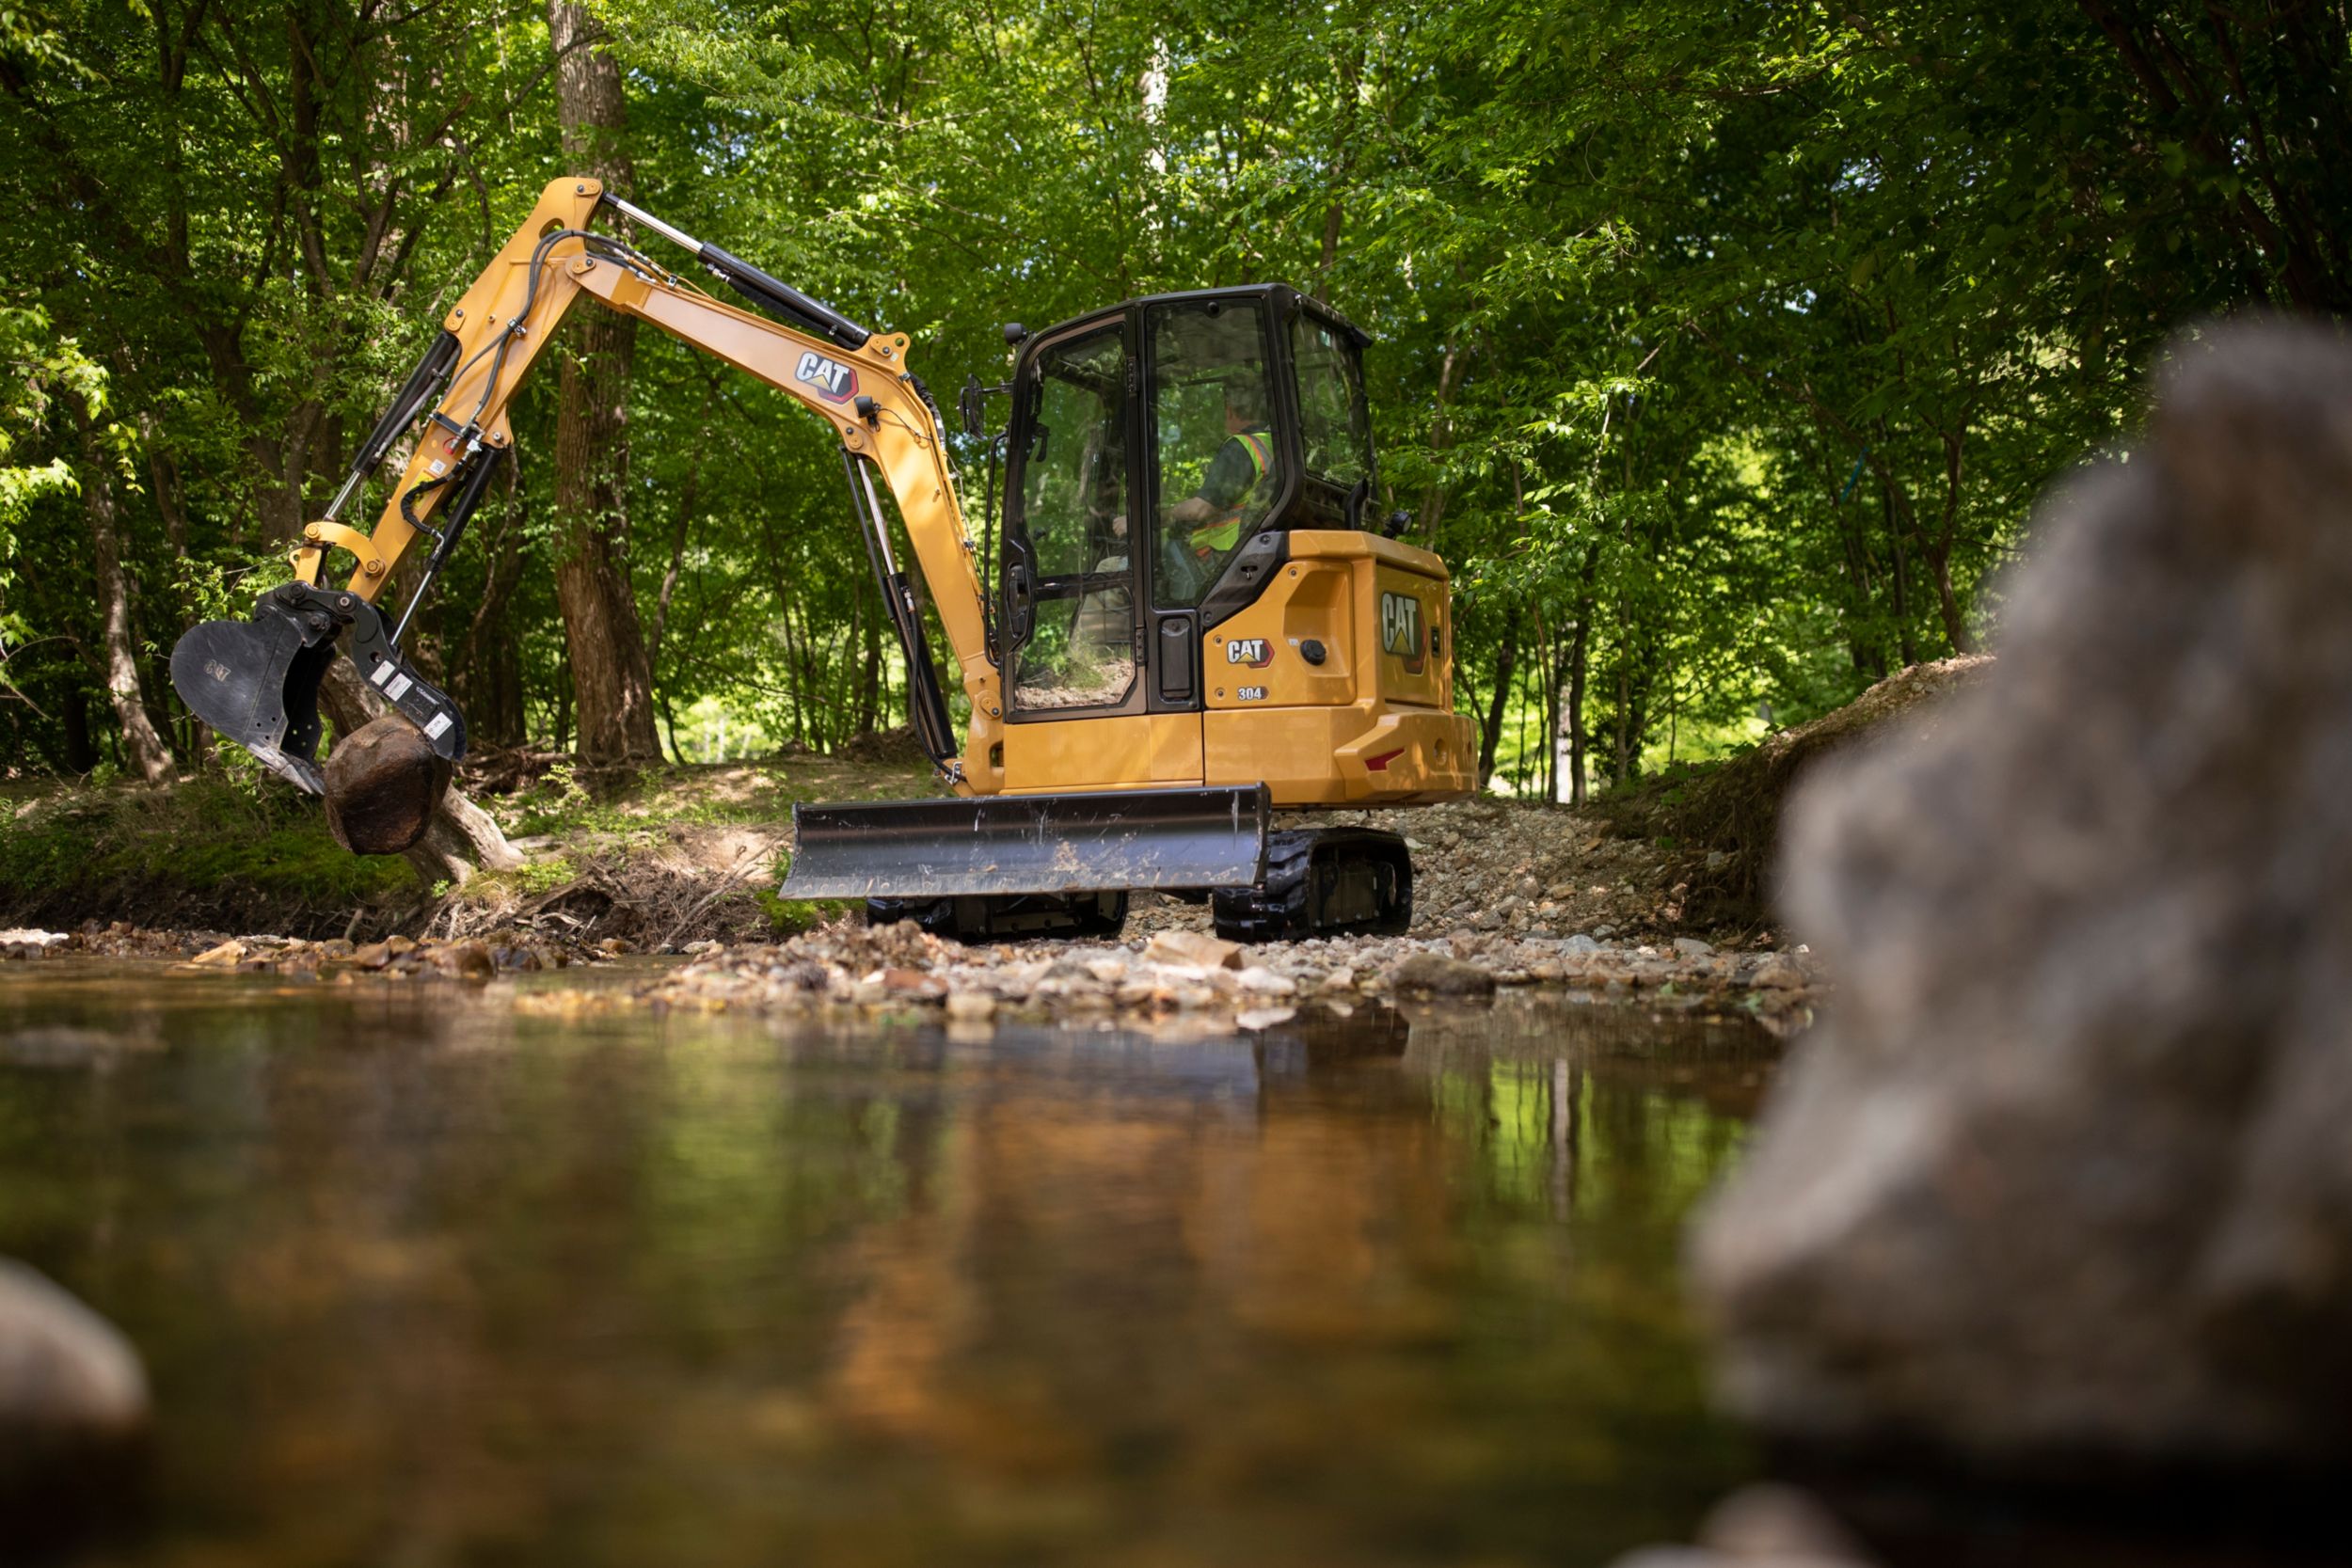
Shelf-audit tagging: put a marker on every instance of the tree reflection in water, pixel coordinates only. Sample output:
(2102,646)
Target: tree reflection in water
(421,1278)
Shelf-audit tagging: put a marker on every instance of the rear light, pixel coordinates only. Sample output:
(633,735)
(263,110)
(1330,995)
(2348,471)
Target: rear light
(1380,763)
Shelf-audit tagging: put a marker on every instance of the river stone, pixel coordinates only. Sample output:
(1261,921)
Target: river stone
(383,782)
(1762,1525)
(23,942)
(2064,1176)
(1193,947)
(1435,975)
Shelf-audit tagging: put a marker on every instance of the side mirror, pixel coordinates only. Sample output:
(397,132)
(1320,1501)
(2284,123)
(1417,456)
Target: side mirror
(972,405)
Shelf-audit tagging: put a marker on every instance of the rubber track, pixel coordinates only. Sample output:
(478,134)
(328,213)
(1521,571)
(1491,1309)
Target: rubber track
(1276,909)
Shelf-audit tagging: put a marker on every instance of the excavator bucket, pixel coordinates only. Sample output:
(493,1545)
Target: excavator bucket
(1104,840)
(256,682)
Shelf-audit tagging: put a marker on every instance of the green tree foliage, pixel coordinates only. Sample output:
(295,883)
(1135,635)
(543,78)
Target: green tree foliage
(1721,350)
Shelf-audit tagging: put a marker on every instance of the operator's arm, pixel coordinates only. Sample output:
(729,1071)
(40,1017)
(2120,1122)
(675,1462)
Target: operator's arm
(1227,480)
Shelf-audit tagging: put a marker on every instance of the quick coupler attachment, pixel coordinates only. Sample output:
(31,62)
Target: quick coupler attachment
(256,681)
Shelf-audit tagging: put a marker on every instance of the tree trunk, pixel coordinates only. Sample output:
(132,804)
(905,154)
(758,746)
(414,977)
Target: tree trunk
(1560,722)
(1940,553)
(1947,603)
(1547,672)
(1490,731)
(1450,372)
(492,669)
(1580,653)
(870,692)
(143,750)
(687,495)
(610,675)
(80,755)
(1904,643)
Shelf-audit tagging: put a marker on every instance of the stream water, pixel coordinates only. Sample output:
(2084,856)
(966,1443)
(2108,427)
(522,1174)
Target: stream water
(423,1278)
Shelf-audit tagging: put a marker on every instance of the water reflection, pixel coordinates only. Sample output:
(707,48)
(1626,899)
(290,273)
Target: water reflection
(422,1279)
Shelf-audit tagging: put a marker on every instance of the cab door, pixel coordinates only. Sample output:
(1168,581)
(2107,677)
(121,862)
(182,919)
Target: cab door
(1071,575)
(1215,470)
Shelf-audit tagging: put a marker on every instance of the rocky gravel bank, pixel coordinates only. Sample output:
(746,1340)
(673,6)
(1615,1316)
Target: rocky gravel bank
(1189,974)
(1166,968)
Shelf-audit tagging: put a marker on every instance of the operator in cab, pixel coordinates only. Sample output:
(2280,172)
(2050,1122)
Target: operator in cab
(1213,514)
(1215,511)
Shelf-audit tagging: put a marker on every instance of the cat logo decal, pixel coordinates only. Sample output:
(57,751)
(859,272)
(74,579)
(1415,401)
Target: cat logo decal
(834,381)
(1401,631)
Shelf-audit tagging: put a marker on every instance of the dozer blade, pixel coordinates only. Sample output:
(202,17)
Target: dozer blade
(1008,844)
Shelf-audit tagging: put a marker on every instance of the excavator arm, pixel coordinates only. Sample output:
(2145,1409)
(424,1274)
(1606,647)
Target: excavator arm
(256,681)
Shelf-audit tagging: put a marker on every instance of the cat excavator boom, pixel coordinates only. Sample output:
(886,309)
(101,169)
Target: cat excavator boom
(1180,625)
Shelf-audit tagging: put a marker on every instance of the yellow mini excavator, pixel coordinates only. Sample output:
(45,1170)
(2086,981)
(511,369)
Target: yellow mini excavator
(1183,621)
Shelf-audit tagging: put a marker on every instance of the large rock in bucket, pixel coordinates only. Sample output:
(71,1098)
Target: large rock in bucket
(384,780)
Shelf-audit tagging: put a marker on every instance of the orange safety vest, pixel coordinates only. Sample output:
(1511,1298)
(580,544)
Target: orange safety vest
(1212,538)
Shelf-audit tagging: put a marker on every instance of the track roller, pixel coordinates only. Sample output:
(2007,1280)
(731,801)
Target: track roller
(1322,883)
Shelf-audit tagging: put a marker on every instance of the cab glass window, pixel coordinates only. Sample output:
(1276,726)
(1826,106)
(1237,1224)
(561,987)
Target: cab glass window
(1216,465)
(1070,570)
(1334,431)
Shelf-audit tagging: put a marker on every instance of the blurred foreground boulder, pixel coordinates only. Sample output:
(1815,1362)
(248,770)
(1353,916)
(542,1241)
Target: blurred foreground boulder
(73,1409)
(2066,1178)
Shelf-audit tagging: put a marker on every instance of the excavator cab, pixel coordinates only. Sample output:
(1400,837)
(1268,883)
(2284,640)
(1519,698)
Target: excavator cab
(1194,627)
(1156,451)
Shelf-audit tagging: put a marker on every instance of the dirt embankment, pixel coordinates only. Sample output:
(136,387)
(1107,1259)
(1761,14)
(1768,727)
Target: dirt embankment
(1714,826)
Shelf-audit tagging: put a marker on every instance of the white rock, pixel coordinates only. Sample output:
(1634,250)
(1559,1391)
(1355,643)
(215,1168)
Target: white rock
(1193,947)
(971,1006)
